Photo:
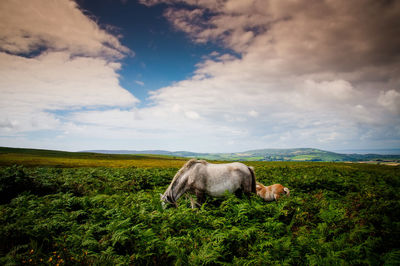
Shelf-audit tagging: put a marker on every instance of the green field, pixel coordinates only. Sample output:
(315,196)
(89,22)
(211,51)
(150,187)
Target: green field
(33,157)
(90,209)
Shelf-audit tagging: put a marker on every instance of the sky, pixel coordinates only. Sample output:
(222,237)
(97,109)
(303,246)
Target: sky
(202,76)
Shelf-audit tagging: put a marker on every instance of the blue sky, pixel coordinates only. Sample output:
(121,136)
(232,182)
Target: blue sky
(163,55)
(208,76)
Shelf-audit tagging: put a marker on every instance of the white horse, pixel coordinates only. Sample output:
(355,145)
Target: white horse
(271,193)
(200,177)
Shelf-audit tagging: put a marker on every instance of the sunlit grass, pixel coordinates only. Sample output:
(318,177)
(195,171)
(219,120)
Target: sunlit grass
(143,161)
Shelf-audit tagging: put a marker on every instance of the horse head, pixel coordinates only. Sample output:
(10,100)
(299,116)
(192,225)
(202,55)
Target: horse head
(176,188)
(166,201)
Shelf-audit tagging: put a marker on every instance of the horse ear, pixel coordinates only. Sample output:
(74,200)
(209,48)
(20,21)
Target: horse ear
(161,196)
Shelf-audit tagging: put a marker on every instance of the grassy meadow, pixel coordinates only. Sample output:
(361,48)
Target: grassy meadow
(32,157)
(96,209)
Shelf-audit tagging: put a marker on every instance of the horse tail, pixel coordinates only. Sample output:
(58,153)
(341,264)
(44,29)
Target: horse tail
(287,191)
(253,180)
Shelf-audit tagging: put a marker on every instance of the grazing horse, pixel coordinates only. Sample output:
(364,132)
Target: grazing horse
(200,177)
(271,193)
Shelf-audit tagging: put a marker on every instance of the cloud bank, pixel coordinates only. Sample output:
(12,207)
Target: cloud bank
(316,73)
(320,74)
(54,58)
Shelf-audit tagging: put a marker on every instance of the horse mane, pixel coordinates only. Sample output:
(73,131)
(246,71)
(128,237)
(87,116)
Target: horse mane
(186,167)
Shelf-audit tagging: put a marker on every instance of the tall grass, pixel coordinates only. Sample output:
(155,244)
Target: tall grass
(336,214)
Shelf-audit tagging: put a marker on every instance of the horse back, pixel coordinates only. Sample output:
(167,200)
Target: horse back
(215,179)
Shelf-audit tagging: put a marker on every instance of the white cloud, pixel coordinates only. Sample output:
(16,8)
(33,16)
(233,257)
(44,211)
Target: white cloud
(192,115)
(253,113)
(26,26)
(110,118)
(76,68)
(31,87)
(390,100)
(141,83)
(339,90)
(57,81)
(19,119)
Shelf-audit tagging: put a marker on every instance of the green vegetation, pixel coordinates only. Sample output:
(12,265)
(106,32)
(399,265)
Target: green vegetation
(337,214)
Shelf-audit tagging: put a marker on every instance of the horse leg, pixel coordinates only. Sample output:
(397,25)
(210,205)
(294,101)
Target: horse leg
(200,199)
(277,196)
(239,193)
(192,202)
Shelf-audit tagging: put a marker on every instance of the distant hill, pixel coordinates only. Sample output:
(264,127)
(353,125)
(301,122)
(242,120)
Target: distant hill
(78,155)
(370,151)
(298,154)
(160,152)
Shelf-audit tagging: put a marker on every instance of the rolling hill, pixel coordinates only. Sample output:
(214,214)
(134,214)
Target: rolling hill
(298,154)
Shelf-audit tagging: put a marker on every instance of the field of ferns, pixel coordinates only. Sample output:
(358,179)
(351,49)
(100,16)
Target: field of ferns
(337,214)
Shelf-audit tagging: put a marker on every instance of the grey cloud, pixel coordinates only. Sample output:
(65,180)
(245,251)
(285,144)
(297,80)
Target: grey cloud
(301,63)
(312,36)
